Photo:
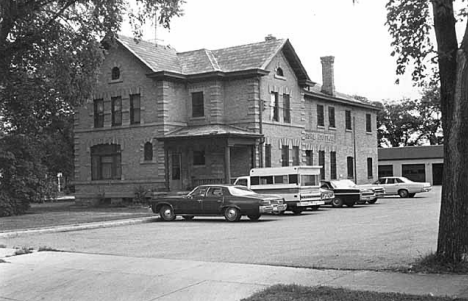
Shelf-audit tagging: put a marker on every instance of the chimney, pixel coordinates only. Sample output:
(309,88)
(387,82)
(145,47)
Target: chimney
(270,37)
(328,75)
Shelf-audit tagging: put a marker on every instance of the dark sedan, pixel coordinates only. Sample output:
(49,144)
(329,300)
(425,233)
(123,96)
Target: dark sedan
(212,200)
(344,194)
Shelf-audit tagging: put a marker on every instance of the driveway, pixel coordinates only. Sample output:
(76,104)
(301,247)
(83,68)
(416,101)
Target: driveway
(392,233)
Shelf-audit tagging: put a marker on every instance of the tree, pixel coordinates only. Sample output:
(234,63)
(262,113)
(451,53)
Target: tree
(411,23)
(410,122)
(50,53)
(397,125)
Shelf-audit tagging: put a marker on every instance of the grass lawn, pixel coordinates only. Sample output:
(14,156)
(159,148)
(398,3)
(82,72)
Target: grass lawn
(302,293)
(67,213)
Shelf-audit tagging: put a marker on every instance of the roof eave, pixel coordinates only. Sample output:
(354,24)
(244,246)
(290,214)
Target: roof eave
(341,100)
(169,75)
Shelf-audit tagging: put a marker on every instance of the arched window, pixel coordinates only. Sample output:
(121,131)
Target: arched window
(115,73)
(279,71)
(148,151)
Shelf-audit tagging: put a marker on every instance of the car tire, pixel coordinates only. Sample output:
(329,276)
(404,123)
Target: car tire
(254,217)
(411,195)
(167,213)
(296,211)
(403,193)
(373,201)
(337,203)
(232,214)
(188,217)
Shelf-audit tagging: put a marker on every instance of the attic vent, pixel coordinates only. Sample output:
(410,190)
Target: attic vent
(270,37)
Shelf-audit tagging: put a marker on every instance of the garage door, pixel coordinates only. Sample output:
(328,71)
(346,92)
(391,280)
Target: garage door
(437,171)
(414,172)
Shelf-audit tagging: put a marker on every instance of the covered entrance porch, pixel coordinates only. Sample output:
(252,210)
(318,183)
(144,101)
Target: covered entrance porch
(208,154)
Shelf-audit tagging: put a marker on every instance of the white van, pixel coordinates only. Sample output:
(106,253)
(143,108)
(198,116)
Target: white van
(298,185)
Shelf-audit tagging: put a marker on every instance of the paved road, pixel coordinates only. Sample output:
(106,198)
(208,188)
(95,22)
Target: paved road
(392,233)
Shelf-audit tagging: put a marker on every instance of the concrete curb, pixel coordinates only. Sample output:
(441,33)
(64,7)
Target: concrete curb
(78,227)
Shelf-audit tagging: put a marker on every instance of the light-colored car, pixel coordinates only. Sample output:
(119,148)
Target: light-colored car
(402,186)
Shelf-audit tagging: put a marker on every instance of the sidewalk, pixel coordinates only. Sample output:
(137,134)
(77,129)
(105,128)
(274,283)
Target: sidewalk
(76,276)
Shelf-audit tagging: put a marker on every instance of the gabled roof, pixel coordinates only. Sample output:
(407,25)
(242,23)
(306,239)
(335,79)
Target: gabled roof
(255,56)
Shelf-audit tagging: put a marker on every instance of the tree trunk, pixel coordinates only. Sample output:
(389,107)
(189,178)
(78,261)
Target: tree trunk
(452,243)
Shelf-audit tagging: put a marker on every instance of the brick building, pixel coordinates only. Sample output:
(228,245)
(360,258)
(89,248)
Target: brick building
(164,120)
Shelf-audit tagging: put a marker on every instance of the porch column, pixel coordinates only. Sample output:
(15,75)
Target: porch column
(227,164)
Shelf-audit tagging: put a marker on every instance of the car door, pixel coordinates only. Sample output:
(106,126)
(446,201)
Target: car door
(213,201)
(391,186)
(192,204)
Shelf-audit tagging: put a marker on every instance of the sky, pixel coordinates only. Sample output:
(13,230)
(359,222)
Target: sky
(354,33)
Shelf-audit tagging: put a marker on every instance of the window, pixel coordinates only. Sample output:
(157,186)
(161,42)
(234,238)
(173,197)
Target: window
(198,107)
(368,123)
(333,165)
(348,120)
(309,157)
(115,73)
(148,150)
(370,173)
(98,113)
(279,72)
(320,118)
(350,164)
(322,164)
(175,162)
(267,155)
(198,157)
(295,155)
(286,108)
(285,155)
(275,106)
(105,162)
(331,117)
(135,109)
(116,110)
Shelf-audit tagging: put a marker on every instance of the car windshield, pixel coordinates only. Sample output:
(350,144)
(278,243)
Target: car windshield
(240,191)
(343,184)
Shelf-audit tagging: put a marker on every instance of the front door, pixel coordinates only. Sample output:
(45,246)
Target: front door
(175,183)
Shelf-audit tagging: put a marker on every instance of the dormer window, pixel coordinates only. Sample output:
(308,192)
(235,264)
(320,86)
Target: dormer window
(279,72)
(115,73)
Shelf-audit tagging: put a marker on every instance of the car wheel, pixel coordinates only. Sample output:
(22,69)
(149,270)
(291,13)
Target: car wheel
(297,210)
(411,195)
(337,203)
(403,193)
(373,201)
(254,217)
(232,214)
(167,213)
(188,217)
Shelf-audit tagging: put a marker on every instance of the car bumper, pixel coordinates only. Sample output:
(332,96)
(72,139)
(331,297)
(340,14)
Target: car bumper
(309,203)
(273,208)
(426,189)
(367,198)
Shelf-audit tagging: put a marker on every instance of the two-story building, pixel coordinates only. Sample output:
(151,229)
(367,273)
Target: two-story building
(164,120)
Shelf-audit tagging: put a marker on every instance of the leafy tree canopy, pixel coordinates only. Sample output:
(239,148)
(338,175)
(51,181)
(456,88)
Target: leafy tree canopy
(50,53)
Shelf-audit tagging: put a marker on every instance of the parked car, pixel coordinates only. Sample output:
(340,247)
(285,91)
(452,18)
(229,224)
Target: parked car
(344,193)
(369,192)
(402,186)
(211,200)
